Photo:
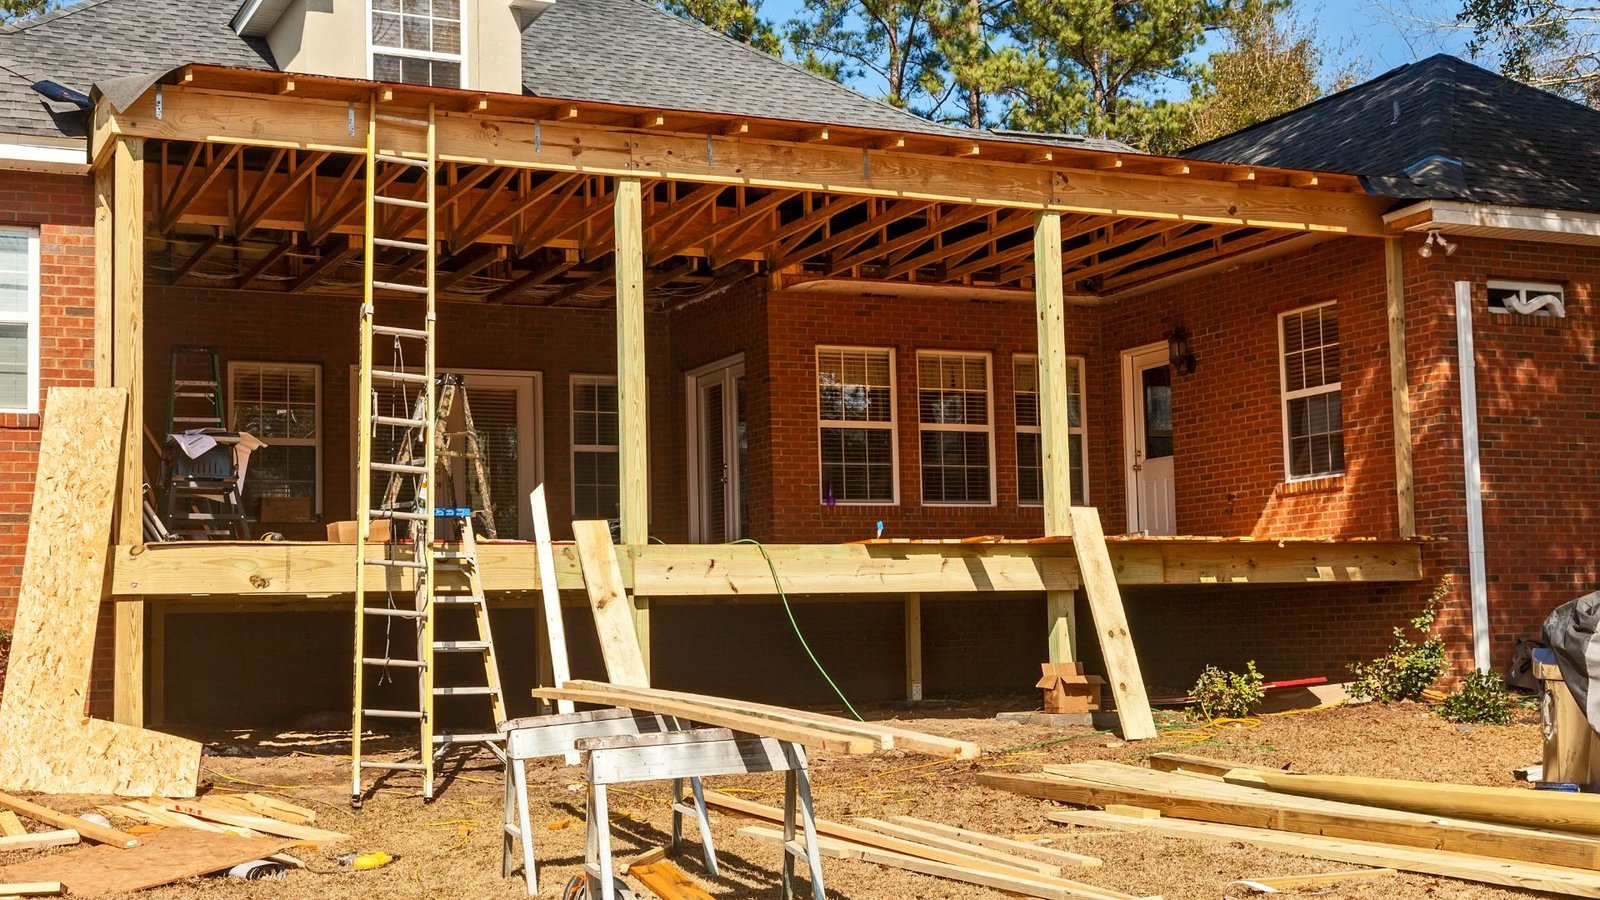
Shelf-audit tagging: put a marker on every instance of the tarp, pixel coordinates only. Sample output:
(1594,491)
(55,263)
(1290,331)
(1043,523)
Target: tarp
(123,92)
(1572,630)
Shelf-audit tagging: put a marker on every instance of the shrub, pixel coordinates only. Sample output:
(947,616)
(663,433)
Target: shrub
(1227,695)
(1482,699)
(1410,667)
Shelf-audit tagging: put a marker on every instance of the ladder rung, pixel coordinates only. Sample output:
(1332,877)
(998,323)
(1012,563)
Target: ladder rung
(397,331)
(400,422)
(188,383)
(392,713)
(400,201)
(394,766)
(397,286)
(460,646)
(408,377)
(396,563)
(468,691)
(403,160)
(399,468)
(399,244)
(397,613)
(393,119)
(400,515)
(468,738)
(457,599)
(398,663)
(196,418)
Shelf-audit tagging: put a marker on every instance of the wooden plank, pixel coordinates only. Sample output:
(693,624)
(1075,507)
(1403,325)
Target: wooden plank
(40,840)
(633,424)
(1399,385)
(664,879)
(10,825)
(100,834)
(1278,884)
(608,600)
(127,372)
(1111,624)
(1194,765)
(272,121)
(213,812)
(1556,810)
(50,746)
(171,855)
(1263,809)
(808,735)
(956,845)
(32,889)
(1530,876)
(913,630)
(269,806)
(997,842)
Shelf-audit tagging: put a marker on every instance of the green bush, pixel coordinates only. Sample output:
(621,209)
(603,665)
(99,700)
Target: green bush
(1410,667)
(1227,695)
(1482,699)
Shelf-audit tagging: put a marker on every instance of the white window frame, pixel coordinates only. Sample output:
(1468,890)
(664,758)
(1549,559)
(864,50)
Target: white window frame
(892,426)
(988,372)
(1527,287)
(1080,430)
(316,370)
(459,58)
(1286,395)
(574,448)
(530,471)
(29,318)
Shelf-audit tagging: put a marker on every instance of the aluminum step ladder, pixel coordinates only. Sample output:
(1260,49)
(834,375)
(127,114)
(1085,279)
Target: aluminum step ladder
(413,556)
(451,389)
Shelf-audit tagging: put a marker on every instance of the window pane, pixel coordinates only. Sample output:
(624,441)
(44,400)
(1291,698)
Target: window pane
(853,386)
(385,33)
(14,365)
(857,465)
(594,485)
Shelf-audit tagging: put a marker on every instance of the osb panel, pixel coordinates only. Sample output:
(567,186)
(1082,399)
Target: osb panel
(50,746)
(172,855)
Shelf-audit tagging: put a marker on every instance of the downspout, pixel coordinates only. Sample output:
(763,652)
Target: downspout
(1477,574)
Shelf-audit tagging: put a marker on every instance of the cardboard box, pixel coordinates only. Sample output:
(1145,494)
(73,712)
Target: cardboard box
(345,532)
(1068,690)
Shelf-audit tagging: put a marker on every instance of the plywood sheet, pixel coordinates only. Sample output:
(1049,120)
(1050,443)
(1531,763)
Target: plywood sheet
(172,855)
(51,746)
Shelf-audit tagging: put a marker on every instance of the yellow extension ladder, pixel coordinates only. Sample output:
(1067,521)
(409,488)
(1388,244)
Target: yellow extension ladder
(441,576)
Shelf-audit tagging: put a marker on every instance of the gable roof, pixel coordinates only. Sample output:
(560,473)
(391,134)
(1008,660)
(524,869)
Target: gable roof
(1440,128)
(611,51)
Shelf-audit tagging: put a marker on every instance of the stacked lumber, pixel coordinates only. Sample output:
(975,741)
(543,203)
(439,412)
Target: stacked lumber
(815,730)
(1460,832)
(935,849)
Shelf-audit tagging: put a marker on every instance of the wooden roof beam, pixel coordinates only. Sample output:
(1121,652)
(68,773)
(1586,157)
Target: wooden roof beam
(766,206)
(185,190)
(1222,251)
(940,225)
(533,278)
(469,267)
(898,210)
(332,258)
(801,227)
(267,261)
(486,224)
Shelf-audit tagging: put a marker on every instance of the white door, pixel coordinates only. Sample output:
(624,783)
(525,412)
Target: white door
(717,443)
(1147,439)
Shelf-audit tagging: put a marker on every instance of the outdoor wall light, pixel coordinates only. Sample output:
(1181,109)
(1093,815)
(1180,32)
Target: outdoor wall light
(1436,238)
(1178,351)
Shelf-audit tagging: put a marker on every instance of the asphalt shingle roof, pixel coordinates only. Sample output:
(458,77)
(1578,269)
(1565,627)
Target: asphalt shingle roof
(1440,128)
(611,51)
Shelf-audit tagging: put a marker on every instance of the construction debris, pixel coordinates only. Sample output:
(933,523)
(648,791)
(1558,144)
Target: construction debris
(163,858)
(33,889)
(1068,690)
(1283,883)
(100,834)
(62,838)
(664,879)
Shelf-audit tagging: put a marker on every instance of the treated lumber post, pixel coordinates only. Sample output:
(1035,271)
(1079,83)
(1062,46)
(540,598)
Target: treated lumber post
(1399,386)
(634,452)
(913,646)
(123,257)
(1055,437)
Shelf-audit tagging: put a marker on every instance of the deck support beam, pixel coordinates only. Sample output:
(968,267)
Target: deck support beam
(913,647)
(1055,424)
(634,453)
(119,198)
(1399,386)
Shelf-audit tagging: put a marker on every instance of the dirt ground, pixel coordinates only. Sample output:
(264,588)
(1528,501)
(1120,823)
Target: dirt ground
(451,848)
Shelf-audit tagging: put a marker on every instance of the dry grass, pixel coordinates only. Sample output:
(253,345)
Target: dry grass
(451,848)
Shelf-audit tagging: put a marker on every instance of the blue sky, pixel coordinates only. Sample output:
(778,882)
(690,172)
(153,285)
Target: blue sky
(1374,35)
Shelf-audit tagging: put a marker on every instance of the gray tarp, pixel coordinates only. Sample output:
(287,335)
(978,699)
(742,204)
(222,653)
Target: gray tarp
(1572,630)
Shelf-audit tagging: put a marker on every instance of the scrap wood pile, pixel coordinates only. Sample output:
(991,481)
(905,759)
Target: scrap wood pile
(244,835)
(1535,840)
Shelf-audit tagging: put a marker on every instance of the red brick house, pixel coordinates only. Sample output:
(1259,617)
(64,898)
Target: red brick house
(1265,343)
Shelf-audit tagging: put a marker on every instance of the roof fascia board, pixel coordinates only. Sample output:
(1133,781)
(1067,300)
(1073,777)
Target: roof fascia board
(43,155)
(257,17)
(1524,220)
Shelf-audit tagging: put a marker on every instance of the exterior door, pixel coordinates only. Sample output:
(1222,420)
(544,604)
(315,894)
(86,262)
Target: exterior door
(717,444)
(1147,439)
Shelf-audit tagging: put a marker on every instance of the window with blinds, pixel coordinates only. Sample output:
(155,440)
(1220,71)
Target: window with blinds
(1313,422)
(856,425)
(417,42)
(953,403)
(1030,441)
(595,455)
(281,404)
(19,320)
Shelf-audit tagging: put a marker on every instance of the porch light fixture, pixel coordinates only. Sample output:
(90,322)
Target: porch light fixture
(1436,238)
(1179,354)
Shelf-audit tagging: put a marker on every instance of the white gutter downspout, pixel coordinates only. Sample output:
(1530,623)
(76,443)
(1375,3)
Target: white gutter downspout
(1477,572)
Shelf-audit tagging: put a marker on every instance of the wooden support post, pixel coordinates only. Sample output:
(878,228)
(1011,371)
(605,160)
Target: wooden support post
(1050,304)
(913,646)
(634,454)
(123,257)
(1399,386)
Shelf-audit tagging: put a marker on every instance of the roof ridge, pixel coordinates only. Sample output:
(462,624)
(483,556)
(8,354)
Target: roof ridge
(51,16)
(795,67)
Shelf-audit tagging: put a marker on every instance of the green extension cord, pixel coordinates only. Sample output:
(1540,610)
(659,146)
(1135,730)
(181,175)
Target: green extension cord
(778,585)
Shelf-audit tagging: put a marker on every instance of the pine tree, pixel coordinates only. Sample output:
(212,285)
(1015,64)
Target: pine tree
(738,19)
(12,11)
(1546,43)
(889,47)
(1268,66)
